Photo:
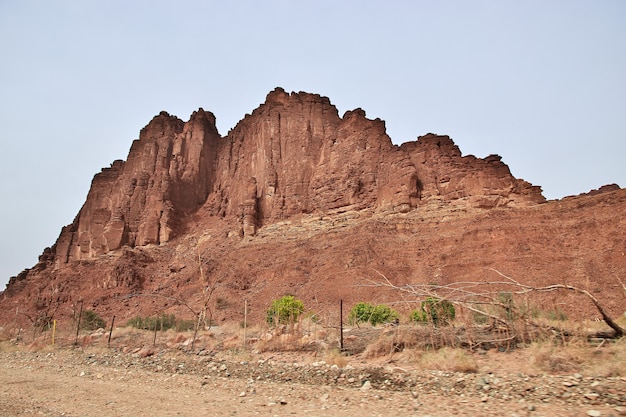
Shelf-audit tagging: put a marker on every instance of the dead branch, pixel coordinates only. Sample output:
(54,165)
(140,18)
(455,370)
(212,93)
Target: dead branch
(468,294)
(619,332)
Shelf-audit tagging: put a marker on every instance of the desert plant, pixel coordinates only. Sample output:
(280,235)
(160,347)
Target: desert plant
(284,310)
(435,310)
(418,316)
(365,312)
(164,322)
(449,359)
(556,315)
(506,301)
(91,321)
(334,357)
(383,314)
(361,313)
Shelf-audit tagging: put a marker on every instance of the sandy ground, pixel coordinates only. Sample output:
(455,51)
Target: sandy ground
(62,384)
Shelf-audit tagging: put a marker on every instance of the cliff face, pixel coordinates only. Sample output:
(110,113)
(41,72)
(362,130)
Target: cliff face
(293,155)
(289,178)
(167,175)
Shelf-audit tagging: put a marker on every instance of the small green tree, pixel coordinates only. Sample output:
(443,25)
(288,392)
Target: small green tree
(91,321)
(284,310)
(435,310)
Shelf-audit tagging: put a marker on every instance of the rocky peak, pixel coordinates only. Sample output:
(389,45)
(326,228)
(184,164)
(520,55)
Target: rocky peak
(138,202)
(292,155)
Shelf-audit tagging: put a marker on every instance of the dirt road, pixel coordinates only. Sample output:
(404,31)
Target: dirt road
(69,383)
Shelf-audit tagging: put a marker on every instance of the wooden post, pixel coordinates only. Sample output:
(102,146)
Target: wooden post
(245,322)
(155,331)
(54,328)
(341,325)
(110,331)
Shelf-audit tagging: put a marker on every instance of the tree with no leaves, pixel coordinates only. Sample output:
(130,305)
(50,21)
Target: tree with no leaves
(475,296)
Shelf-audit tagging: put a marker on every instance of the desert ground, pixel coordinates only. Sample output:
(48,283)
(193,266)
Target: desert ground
(138,374)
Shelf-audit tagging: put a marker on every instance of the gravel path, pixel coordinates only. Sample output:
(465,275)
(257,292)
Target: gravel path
(169,383)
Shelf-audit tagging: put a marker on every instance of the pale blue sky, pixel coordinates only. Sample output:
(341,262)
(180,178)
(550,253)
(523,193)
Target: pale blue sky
(542,83)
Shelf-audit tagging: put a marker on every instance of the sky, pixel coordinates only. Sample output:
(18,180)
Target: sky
(540,82)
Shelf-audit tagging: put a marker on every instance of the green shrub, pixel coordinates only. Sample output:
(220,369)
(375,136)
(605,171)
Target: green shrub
(366,312)
(284,310)
(91,321)
(164,322)
(361,313)
(435,310)
(383,314)
(418,316)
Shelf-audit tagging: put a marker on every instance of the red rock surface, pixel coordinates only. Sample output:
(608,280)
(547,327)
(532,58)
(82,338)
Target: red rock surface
(297,200)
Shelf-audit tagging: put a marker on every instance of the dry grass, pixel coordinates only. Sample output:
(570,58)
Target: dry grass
(448,359)
(334,357)
(6,334)
(393,340)
(423,346)
(423,337)
(556,359)
(6,346)
(608,359)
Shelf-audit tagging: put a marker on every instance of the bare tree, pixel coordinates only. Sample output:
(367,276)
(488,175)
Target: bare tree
(475,296)
(208,283)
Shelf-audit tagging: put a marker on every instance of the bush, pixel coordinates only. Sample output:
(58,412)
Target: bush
(418,316)
(366,312)
(435,310)
(284,310)
(361,313)
(164,322)
(383,314)
(91,321)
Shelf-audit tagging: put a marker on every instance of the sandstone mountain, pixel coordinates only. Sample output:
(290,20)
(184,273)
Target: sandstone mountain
(298,200)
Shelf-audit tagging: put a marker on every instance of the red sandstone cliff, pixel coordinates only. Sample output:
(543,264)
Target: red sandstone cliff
(292,155)
(251,198)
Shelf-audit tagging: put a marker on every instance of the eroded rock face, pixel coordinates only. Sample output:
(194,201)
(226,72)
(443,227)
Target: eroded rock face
(293,155)
(485,183)
(322,202)
(167,174)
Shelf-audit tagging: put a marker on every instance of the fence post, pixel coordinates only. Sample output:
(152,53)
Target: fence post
(156,319)
(110,331)
(341,325)
(245,322)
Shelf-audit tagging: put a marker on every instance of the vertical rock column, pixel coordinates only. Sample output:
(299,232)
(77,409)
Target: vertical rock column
(249,208)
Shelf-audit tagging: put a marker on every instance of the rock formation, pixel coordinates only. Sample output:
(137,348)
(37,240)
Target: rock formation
(168,174)
(264,202)
(292,155)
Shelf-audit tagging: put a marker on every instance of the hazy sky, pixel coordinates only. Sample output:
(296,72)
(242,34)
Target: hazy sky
(541,83)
